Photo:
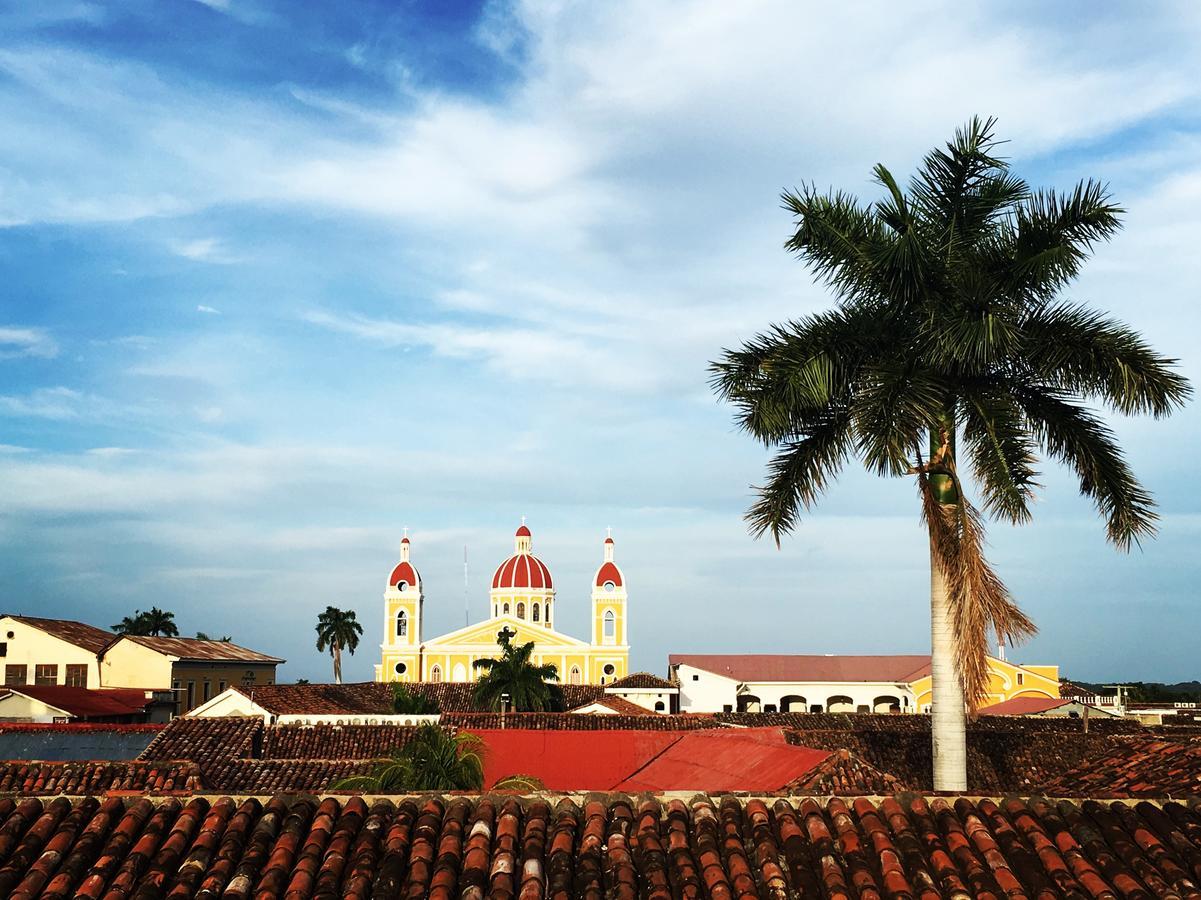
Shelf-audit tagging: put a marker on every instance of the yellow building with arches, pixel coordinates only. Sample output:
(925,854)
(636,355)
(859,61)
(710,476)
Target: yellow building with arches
(522,601)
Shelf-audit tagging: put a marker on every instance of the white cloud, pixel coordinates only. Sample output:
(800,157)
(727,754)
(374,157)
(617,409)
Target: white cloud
(209,310)
(18,342)
(58,403)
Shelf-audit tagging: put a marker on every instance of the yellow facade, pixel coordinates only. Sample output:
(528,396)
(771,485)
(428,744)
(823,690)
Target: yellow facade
(522,601)
(1007,680)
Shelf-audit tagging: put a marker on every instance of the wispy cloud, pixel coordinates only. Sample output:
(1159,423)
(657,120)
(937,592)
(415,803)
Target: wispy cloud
(17,342)
(209,310)
(57,403)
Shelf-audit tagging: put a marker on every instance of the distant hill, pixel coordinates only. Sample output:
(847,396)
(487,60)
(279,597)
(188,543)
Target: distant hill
(1151,691)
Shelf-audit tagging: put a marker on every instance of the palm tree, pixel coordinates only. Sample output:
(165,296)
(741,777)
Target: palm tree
(338,630)
(204,636)
(408,702)
(433,759)
(529,688)
(155,623)
(949,331)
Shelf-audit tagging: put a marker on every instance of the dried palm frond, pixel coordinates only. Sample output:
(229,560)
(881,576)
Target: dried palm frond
(980,603)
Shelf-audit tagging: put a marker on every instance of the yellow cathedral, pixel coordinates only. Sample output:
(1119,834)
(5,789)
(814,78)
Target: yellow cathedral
(522,600)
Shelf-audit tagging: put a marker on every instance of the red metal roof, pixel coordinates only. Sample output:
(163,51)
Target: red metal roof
(404,572)
(799,668)
(86,702)
(194,649)
(1024,706)
(522,571)
(727,759)
(523,531)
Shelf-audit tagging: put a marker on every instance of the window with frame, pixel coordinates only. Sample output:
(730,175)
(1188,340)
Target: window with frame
(402,624)
(3,648)
(16,674)
(534,614)
(1021,678)
(435,673)
(45,673)
(521,610)
(610,632)
(77,675)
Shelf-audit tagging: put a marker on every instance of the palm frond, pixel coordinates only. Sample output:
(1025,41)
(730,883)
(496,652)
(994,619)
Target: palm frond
(1001,452)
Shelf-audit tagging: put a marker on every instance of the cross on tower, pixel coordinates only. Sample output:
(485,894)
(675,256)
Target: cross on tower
(406,531)
(523,520)
(608,531)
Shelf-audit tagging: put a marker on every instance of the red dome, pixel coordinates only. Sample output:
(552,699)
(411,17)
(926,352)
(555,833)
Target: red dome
(406,573)
(522,571)
(522,531)
(608,572)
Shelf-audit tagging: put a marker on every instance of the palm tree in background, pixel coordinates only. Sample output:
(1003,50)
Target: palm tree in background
(433,759)
(949,333)
(155,623)
(529,688)
(338,630)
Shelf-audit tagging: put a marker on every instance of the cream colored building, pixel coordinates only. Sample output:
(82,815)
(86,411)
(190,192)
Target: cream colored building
(522,602)
(41,651)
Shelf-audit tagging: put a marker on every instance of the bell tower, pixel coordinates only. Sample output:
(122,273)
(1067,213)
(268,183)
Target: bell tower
(403,606)
(609,621)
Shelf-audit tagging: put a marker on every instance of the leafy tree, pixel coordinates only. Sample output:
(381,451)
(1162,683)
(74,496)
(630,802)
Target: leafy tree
(530,688)
(154,623)
(202,636)
(949,334)
(407,702)
(301,681)
(433,759)
(338,630)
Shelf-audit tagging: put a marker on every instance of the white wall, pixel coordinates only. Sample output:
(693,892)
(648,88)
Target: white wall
(702,691)
(707,692)
(19,708)
(129,664)
(645,697)
(30,646)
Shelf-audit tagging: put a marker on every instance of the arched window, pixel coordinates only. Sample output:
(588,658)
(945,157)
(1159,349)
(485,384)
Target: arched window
(435,672)
(521,610)
(610,627)
(573,677)
(659,707)
(402,624)
(534,613)
(460,673)
(506,609)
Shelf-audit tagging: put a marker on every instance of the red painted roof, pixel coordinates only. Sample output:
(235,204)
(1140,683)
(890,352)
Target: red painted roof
(78,633)
(749,759)
(404,572)
(522,531)
(194,649)
(522,571)
(794,667)
(86,702)
(1024,706)
(608,572)
(608,540)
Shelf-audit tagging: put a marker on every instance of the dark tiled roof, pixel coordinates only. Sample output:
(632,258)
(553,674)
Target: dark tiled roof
(333,741)
(89,637)
(98,777)
(603,846)
(576,722)
(374,698)
(195,650)
(640,680)
(86,702)
(201,740)
(843,773)
(1148,768)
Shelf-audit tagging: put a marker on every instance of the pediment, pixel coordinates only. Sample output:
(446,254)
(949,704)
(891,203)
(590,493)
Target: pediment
(486,633)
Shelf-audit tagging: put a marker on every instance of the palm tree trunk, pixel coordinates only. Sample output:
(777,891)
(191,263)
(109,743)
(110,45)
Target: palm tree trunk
(948,716)
(337,663)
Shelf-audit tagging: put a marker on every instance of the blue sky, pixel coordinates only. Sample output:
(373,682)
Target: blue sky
(279,279)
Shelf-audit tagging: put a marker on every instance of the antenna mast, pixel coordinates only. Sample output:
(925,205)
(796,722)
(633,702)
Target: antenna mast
(466,608)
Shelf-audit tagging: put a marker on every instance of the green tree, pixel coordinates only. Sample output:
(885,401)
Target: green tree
(408,702)
(433,759)
(949,334)
(203,636)
(154,623)
(338,630)
(530,688)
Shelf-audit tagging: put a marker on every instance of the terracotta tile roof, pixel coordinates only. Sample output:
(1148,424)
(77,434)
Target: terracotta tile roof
(618,705)
(98,777)
(89,637)
(373,698)
(843,773)
(794,667)
(603,846)
(194,650)
(641,680)
(339,742)
(1148,768)
(201,740)
(1025,706)
(86,702)
(574,722)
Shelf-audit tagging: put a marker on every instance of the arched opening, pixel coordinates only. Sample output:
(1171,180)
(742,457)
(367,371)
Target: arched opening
(435,672)
(534,613)
(610,631)
(659,707)
(573,677)
(402,624)
(886,703)
(840,703)
(792,703)
(460,673)
(748,703)
(506,609)
(521,610)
